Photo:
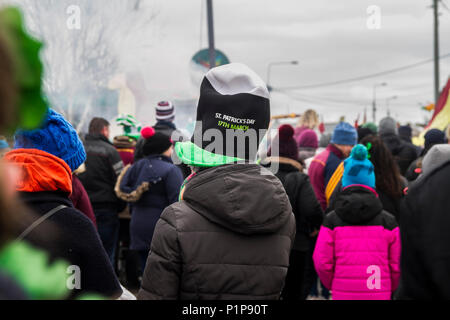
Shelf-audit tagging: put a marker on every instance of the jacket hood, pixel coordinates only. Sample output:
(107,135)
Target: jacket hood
(392,141)
(124,142)
(285,164)
(357,204)
(40,171)
(244,198)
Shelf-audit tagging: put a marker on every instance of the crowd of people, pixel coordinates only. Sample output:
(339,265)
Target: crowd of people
(357,214)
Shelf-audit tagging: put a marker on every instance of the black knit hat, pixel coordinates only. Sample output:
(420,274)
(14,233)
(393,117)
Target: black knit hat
(155,142)
(233,98)
(434,136)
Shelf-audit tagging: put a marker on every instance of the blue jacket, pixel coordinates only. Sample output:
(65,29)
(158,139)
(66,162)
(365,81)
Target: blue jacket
(151,184)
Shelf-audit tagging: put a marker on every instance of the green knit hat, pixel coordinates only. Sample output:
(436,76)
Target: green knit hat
(131,127)
(28,69)
(371,126)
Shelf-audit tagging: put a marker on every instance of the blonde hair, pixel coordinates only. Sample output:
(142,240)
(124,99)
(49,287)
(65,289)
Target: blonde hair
(309,119)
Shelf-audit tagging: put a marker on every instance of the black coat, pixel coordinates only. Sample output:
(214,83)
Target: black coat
(307,211)
(75,240)
(103,166)
(404,153)
(425,236)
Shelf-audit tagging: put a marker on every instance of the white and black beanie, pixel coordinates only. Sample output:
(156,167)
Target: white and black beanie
(232,97)
(165,111)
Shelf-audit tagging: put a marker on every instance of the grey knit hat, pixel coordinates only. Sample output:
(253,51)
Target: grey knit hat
(387,126)
(436,157)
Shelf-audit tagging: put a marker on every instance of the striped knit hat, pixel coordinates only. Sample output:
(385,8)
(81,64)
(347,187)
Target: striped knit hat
(165,111)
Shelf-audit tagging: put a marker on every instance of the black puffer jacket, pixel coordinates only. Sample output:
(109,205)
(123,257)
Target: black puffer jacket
(230,238)
(404,153)
(307,211)
(103,166)
(390,204)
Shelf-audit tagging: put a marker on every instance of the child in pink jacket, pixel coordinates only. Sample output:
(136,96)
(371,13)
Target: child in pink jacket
(357,254)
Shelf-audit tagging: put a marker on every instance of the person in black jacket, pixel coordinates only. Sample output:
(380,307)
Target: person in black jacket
(46,159)
(307,211)
(103,166)
(404,152)
(425,231)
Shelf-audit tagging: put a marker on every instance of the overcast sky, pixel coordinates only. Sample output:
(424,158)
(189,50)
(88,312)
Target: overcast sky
(329,38)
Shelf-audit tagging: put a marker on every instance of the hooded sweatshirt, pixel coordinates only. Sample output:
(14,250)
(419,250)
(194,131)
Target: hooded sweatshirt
(228,238)
(357,254)
(403,152)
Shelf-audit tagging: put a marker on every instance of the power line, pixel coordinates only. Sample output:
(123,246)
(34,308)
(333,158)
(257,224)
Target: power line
(445,5)
(374,75)
(335,103)
(201,24)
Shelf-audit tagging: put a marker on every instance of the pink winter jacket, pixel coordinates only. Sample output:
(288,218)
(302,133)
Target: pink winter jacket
(357,254)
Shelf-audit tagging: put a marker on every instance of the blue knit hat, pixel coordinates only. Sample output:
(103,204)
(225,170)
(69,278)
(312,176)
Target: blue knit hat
(3,144)
(344,134)
(358,169)
(57,137)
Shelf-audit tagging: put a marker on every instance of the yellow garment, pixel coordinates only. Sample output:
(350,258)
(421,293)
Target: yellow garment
(441,122)
(334,181)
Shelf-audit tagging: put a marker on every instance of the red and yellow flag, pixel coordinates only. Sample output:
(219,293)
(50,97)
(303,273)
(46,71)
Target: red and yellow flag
(441,115)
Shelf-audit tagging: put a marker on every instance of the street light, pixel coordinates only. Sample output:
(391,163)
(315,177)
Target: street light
(269,69)
(387,104)
(374,104)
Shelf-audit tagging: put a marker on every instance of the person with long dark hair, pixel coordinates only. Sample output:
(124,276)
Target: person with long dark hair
(389,182)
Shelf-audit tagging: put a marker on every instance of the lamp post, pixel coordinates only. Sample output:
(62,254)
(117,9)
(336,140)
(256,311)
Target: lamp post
(387,104)
(269,69)
(374,103)
(212,49)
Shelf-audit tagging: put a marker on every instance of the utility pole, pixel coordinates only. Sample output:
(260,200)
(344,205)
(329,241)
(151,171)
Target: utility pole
(212,49)
(436,50)
(374,101)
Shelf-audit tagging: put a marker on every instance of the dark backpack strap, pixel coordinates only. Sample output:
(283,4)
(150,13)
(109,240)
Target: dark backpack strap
(35,224)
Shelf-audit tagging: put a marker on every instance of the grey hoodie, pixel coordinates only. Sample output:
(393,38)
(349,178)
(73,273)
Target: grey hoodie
(435,158)
(229,238)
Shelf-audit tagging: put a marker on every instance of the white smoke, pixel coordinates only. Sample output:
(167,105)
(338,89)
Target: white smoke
(88,43)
